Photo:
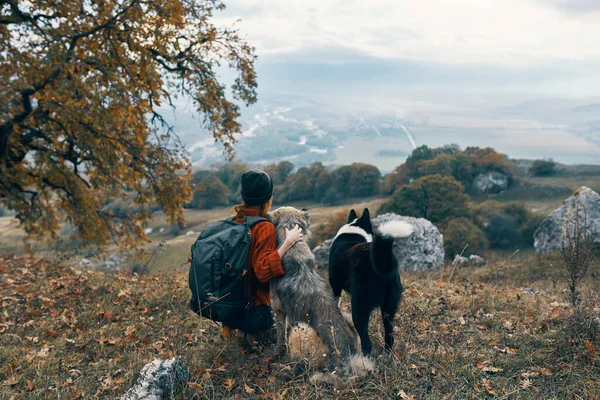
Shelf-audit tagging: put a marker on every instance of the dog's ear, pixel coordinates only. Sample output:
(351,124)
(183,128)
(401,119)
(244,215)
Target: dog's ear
(352,216)
(366,214)
(306,216)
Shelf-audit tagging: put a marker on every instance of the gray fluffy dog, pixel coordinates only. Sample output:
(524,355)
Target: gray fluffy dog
(302,295)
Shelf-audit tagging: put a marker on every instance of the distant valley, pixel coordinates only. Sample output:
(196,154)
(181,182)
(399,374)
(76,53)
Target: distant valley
(342,130)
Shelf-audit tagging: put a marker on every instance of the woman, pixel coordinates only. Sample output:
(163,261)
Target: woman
(264,259)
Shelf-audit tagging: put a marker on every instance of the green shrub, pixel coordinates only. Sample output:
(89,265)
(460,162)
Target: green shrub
(212,193)
(461,232)
(546,167)
(332,197)
(503,233)
(435,198)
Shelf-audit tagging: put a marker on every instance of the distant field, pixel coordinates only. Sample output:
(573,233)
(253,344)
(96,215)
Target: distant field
(572,182)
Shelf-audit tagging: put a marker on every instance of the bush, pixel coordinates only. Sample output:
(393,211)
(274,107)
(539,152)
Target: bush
(529,227)
(526,222)
(212,193)
(329,229)
(365,180)
(280,171)
(332,197)
(396,179)
(545,167)
(460,232)
(435,198)
(503,233)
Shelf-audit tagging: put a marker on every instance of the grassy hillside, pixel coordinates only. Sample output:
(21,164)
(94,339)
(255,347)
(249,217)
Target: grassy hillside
(174,252)
(501,331)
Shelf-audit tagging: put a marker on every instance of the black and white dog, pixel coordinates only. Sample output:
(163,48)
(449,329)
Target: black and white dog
(361,262)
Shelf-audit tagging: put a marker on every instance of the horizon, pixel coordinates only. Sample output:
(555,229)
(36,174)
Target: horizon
(518,76)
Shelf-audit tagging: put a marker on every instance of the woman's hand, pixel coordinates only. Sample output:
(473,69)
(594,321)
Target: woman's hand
(294,235)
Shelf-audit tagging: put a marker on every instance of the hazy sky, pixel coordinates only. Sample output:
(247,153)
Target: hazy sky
(548,46)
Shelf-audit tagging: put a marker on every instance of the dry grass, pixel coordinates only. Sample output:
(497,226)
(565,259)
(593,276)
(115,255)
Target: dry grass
(72,334)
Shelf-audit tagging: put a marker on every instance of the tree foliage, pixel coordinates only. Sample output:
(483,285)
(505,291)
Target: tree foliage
(212,193)
(434,197)
(461,232)
(84,87)
(543,168)
(502,232)
(525,221)
(463,166)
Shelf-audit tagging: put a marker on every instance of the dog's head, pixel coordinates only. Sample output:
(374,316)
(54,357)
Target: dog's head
(364,222)
(289,217)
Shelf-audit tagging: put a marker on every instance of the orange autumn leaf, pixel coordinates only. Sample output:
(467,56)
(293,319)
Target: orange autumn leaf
(83,118)
(229,384)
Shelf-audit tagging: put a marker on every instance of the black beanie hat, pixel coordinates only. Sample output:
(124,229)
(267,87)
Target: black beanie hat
(257,187)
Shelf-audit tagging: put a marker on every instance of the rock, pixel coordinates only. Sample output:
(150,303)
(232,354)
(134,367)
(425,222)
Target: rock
(421,251)
(459,260)
(321,253)
(160,379)
(471,260)
(491,183)
(548,237)
(476,260)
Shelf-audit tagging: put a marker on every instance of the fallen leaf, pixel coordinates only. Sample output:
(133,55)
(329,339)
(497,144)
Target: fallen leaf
(591,349)
(248,389)
(526,383)
(487,385)
(195,386)
(486,366)
(13,380)
(229,384)
(402,394)
(43,353)
(506,350)
(546,371)
(129,330)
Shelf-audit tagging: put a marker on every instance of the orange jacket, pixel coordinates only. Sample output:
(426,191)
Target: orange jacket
(263,260)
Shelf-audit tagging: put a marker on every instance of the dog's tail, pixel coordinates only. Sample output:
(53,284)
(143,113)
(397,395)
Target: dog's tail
(383,242)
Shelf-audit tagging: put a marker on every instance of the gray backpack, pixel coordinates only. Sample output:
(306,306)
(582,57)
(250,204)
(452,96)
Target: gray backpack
(218,275)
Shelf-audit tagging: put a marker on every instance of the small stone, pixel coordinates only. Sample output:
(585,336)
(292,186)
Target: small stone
(158,380)
(476,260)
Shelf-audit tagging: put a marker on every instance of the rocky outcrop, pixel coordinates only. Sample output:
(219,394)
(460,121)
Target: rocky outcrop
(158,380)
(491,183)
(549,236)
(321,253)
(421,251)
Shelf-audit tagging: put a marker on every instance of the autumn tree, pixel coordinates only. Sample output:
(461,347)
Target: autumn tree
(85,87)
(365,180)
(434,197)
(211,193)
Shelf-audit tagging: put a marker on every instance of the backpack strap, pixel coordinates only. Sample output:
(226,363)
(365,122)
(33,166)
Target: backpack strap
(251,221)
